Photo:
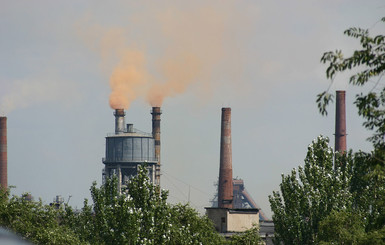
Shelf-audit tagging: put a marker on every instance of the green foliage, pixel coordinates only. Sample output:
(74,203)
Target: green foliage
(375,237)
(139,215)
(348,227)
(342,203)
(188,227)
(249,237)
(368,187)
(369,61)
(341,227)
(34,221)
(302,203)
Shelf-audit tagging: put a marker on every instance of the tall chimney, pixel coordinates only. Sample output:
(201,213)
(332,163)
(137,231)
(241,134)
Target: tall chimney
(119,121)
(156,112)
(225,185)
(340,135)
(3,154)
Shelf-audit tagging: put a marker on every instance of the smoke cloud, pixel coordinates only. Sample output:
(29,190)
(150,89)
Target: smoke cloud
(127,79)
(165,49)
(34,91)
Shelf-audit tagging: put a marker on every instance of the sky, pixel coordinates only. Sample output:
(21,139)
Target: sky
(65,64)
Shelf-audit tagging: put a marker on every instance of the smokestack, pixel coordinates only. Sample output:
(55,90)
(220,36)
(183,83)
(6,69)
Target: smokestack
(156,112)
(119,121)
(225,185)
(340,135)
(3,154)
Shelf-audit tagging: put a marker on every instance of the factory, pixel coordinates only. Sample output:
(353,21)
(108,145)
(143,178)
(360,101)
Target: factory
(226,218)
(127,148)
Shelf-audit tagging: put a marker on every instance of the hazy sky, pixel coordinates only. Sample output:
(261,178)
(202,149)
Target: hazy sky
(261,58)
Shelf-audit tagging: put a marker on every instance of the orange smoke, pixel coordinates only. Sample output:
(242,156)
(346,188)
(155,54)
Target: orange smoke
(188,45)
(180,72)
(127,79)
(194,40)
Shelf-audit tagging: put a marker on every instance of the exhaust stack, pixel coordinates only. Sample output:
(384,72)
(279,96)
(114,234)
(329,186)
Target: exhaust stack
(225,185)
(156,112)
(3,154)
(340,134)
(119,121)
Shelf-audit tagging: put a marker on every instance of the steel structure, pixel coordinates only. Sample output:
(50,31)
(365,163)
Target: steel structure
(242,198)
(126,149)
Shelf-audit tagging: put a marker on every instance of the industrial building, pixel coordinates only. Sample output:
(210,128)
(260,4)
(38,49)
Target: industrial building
(127,148)
(226,218)
(234,210)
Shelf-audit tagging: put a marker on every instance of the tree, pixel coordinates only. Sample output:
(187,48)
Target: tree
(341,227)
(331,204)
(139,215)
(348,227)
(370,61)
(368,179)
(368,188)
(303,202)
(249,237)
(315,207)
(375,237)
(34,221)
(191,228)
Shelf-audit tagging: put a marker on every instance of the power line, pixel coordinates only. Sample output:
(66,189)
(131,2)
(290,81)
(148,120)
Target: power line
(193,204)
(196,188)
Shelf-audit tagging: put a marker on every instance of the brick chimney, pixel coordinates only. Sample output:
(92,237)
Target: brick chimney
(340,135)
(225,185)
(3,153)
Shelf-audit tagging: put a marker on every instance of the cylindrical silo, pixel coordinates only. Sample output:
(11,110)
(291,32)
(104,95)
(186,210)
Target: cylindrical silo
(126,149)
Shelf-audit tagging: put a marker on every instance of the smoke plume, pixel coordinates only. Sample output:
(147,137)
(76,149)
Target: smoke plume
(34,91)
(165,49)
(127,79)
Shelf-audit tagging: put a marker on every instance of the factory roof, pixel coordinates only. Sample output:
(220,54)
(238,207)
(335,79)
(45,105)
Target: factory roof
(134,133)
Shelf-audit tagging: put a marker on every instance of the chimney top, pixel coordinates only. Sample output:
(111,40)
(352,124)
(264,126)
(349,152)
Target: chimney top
(156,110)
(119,112)
(119,121)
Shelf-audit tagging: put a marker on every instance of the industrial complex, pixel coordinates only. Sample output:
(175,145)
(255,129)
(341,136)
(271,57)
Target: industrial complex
(129,147)
(233,210)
